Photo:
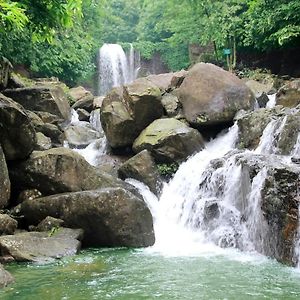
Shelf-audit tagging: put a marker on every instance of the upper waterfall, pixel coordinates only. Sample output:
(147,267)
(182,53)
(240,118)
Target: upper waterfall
(115,67)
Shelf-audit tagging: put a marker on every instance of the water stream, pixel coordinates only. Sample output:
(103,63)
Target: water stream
(209,231)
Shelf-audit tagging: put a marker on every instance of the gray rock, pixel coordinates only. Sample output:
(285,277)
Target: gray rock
(8,225)
(171,104)
(4,181)
(41,246)
(5,72)
(47,117)
(169,140)
(42,142)
(49,223)
(80,136)
(59,170)
(289,94)
(51,131)
(126,112)
(51,99)
(83,115)
(109,217)
(142,168)
(211,96)
(5,277)
(17,134)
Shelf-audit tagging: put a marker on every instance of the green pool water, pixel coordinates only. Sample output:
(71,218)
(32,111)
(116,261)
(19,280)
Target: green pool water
(138,274)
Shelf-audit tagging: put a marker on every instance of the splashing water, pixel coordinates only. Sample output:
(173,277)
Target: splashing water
(272,101)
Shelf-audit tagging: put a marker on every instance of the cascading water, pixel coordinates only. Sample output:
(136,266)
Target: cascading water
(115,67)
(211,204)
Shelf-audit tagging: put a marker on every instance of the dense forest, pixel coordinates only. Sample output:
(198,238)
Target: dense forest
(61,37)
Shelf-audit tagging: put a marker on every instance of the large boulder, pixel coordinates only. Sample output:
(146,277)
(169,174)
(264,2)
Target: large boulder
(109,217)
(142,168)
(169,140)
(289,94)
(82,98)
(17,134)
(211,96)
(51,99)
(5,277)
(58,170)
(41,246)
(4,181)
(126,111)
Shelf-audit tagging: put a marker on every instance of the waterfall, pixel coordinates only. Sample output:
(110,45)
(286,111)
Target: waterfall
(115,67)
(212,203)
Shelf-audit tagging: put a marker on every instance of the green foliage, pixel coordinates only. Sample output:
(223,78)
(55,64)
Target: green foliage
(167,170)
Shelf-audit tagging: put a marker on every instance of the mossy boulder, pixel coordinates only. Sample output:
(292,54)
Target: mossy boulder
(169,140)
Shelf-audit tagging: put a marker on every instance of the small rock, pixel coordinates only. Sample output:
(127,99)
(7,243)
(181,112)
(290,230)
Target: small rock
(8,225)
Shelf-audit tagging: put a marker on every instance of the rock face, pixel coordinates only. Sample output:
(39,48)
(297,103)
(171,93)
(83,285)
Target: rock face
(279,204)
(4,181)
(283,129)
(142,168)
(51,99)
(42,142)
(126,112)
(109,217)
(169,140)
(212,96)
(17,134)
(41,246)
(289,94)
(58,170)
(8,225)
(5,277)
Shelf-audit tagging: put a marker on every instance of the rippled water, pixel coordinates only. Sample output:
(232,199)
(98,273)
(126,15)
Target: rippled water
(142,274)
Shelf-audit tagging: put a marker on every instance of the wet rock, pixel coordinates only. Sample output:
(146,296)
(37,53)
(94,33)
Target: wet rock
(289,94)
(41,246)
(98,102)
(260,91)
(8,225)
(109,217)
(17,134)
(252,125)
(126,112)
(49,223)
(80,136)
(59,170)
(4,181)
(295,160)
(35,119)
(42,142)
(5,277)
(211,96)
(51,99)
(142,168)
(169,140)
(279,204)
(83,115)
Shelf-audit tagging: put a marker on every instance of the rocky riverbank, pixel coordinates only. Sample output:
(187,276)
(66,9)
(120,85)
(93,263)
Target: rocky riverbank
(53,201)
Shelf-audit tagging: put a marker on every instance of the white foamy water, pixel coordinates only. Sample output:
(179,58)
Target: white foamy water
(211,207)
(272,101)
(115,68)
